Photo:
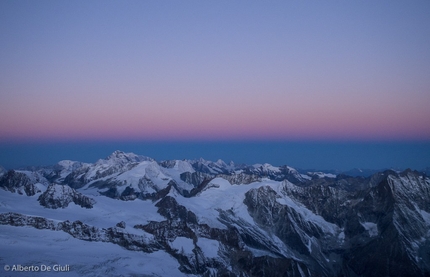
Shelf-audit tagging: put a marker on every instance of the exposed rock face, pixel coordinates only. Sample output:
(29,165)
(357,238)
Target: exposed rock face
(16,219)
(121,224)
(129,194)
(241,178)
(60,196)
(304,236)
(384,224)
(212,168)
(169,208)
(18,182)
(277,173)
(391,221)
(197,180)
(83,231)
(233,259)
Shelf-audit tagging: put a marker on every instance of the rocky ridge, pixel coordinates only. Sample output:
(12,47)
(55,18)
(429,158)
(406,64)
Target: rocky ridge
(60,196)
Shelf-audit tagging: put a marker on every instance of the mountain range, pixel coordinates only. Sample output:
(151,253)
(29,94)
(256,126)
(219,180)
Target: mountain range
(130,215)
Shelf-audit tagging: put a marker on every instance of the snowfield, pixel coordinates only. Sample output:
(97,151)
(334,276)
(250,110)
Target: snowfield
(32,247)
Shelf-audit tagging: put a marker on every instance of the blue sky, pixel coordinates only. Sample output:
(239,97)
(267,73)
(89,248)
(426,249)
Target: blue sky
(214,71)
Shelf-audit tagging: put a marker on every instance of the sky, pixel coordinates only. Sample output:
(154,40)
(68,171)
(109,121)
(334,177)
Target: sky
(215,71)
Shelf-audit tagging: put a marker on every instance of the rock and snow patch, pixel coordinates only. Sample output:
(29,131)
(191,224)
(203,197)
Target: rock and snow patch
(306,177)
(426,217)
(322,175)
(60,196)
(371,228)
(341,236)
(209,247)
(145,177)
(21,182)
(183,244)
(268,167)
(219,195)
(183,166)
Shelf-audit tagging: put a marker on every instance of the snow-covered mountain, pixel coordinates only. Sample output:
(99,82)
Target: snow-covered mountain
(130,215)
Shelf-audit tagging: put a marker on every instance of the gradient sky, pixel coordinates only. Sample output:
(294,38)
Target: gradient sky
(214,70)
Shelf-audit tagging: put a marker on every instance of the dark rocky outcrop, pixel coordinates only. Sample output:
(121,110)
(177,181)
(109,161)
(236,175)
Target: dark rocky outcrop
(241,178)
(121,224)
(18,182)
(169,208)
(83,231)
(60,196)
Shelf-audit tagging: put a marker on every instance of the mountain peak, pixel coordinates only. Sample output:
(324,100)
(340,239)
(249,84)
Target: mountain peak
(220,162)
(118,155)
